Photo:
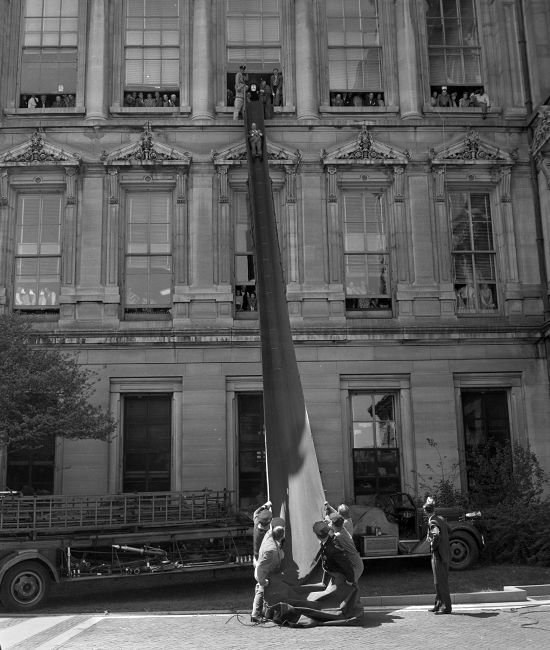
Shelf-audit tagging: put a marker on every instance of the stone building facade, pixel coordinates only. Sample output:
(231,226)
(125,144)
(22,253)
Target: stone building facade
(414,231)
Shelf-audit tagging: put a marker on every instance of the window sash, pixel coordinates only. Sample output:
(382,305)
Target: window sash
(152,44)
(473,252)
(148,263)
(355,69)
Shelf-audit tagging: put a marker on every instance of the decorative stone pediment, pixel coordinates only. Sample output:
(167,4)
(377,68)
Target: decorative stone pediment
(472,149)
(236,154)
(365,150)
(542,131)
(146,151)
(37,151)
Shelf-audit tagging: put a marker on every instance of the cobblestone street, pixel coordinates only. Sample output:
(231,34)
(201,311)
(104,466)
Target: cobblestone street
(482,627)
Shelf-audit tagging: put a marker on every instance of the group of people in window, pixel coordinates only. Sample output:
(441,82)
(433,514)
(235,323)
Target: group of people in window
(244,87)
(157,99)
(47,101)
(460,98)
(246,299)
(356,99)
(29,297)
(471,298)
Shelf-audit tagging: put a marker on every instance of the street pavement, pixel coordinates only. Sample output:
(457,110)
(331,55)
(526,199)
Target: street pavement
(524,624)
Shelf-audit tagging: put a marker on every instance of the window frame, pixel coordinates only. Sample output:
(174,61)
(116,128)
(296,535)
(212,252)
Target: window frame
(444,48)
(477,311)
(36,308)
(286,65)
(117,17)
(388,70)
(120,386)
(399,386)
(386,253)
(512,383)
(147,311)
(81,49)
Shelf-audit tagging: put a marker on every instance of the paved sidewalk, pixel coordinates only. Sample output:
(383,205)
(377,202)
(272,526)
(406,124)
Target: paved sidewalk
(514,626)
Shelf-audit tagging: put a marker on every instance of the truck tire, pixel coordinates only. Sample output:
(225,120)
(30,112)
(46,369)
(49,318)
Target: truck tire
(464,550)
(25,586)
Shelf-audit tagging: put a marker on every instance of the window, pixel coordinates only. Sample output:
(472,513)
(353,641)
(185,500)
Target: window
(148,260)
(49,62)
(473,253)
(251,452)
(453,46)
(38,252)
(354,53)
(486,427)
(376,464)
(152,53)
(31,470)
(253,37)
(366,256)
(147,443)
(244,277)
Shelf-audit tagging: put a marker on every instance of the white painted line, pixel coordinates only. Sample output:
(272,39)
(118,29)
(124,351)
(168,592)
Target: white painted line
(13,635)
(62,638)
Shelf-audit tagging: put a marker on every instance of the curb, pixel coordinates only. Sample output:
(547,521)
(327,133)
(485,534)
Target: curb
(510,593)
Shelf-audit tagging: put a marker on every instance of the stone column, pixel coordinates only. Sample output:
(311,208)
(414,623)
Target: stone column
(95,64)
(202,91)
(307,99)
(407,61)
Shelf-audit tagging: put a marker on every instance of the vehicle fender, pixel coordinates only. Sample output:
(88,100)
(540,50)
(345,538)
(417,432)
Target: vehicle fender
(471,530)
(17,557)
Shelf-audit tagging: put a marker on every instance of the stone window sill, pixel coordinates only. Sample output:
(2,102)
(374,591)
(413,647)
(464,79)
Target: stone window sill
(147,110)
(455,112)
(338,110)
(277,109)
(29,112)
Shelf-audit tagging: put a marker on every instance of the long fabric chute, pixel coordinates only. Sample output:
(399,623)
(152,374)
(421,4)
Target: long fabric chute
(294,480)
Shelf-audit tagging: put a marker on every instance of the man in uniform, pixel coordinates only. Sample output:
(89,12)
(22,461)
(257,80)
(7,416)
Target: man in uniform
(240,90)
(262,520)
(270,560)
(438,537)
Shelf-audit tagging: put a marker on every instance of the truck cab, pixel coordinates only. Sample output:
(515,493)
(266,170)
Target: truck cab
(396,527)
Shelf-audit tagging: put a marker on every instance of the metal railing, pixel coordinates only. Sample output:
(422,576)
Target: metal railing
(51,514)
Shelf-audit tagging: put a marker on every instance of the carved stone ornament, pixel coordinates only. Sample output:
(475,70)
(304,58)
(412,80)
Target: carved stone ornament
(146,151)
(472,148)
(365,149)
(542,132)
(237,154)
(37,151)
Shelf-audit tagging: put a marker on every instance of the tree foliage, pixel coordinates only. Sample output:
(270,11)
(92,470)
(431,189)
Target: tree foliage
(44,391)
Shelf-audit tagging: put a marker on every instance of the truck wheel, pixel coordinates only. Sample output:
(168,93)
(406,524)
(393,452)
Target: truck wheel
(25,586)
(464,550)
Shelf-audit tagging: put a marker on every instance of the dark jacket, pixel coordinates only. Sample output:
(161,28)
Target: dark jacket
(438,536)
(335,560)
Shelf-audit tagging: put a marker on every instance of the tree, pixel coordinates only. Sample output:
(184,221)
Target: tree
(44,392)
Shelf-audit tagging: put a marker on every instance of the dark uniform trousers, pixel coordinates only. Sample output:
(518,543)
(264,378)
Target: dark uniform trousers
(441,582)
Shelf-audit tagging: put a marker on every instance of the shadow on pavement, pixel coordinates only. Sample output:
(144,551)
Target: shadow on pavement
(477,614)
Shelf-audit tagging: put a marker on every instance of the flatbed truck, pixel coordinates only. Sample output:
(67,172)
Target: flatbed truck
(61,539)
